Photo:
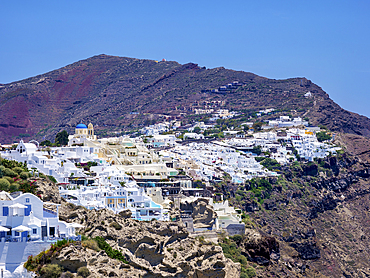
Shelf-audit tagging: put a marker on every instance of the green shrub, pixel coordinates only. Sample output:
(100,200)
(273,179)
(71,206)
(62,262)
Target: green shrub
(52,179)
(4,184)
(9,179)
(62,138)
(67,275)
(24,175)
(46,143)
(322,136)
(244,275)
(83,271)
(31,264)
(51,271)
(232,252)
(62,243)
(251,272)
(237,238)
(14,187)
(91,244)
(270,163)
(9,172)
(114,254)
(257,150)
(259,158)
(18,170)
(115,225)
(12,163)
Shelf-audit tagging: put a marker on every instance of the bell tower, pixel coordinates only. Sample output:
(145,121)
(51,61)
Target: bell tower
(90,130)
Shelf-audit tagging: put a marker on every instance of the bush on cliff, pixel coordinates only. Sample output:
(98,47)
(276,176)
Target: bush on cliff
(41,262)
(24,175)
(231,251)
(16,174)
(91,244)
(9,172)
(83,271)
(51,271)
(322,136)
(18,170)
(112,253)
(4,184)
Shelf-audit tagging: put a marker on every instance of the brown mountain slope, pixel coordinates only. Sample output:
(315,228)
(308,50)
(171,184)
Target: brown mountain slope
(105,89)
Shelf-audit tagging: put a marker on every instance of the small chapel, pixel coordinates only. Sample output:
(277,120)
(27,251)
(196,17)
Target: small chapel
(82,133)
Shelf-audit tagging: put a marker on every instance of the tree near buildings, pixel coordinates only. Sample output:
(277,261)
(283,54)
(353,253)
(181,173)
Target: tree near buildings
(322,136)
(197,129)
(46,143)
(257,126)
(62,138)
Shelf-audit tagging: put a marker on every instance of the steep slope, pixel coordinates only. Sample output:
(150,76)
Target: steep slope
(318,212)
(105,90)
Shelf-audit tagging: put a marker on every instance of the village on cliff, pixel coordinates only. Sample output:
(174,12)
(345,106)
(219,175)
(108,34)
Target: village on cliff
(154,173)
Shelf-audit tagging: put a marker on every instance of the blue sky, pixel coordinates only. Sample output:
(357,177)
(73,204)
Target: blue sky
(327,42)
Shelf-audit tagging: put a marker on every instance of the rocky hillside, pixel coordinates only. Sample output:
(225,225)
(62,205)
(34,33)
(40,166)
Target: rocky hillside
(316,211)
(148,249)
(312,221)
(118,93)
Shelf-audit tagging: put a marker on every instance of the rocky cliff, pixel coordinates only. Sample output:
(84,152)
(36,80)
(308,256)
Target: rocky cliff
(152,249)
(200,211)
(312,222)
(317,212)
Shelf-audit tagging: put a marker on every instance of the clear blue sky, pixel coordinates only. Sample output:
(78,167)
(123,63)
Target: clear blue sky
(325,41)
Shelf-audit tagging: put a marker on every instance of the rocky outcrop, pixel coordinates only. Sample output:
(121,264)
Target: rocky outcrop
(251,206)
(152,249)
(329,202)
(270,205)
(258,248)
(202,213)
(47,190)
(307,250)
(311,169)
(99,264)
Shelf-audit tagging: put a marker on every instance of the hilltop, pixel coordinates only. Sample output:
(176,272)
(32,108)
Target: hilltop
(119,94)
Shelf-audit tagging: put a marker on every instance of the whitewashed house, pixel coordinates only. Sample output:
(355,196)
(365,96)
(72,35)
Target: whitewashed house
(117,198)
(28,218)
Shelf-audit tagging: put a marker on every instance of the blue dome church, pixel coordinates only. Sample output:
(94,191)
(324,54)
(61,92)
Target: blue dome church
(82,133)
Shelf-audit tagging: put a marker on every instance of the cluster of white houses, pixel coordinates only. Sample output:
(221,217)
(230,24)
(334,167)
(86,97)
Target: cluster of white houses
(280,144)
(201,160)
(121,173)
(112,182)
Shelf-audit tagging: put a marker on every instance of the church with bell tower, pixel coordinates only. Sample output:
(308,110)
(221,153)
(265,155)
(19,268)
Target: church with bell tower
(82,133)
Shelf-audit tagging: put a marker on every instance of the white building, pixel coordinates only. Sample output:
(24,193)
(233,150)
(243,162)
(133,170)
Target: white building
(82,133)
(117,198)
(285,121)
(28,218)
(193,135)
(226,215)
(157,141)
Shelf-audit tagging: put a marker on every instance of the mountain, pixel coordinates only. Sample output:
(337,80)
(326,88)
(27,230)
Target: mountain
(106,90)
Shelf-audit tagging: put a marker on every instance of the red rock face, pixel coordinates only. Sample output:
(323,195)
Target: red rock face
(105,89)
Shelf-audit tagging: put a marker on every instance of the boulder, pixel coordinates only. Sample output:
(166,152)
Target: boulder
(258,248)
